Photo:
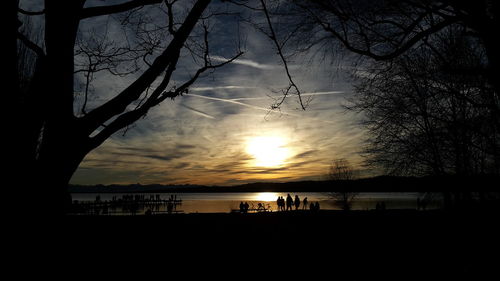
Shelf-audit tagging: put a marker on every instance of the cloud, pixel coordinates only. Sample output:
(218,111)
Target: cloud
(182,165)
(246,62)
(185,146)
(213,88)
(169,157)
(229,101)
(198,112)
(306,154)
(105,163)
(260,108)
(323,93)
(172,144)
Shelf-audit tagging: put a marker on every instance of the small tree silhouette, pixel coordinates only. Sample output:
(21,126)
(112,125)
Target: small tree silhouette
(340,173)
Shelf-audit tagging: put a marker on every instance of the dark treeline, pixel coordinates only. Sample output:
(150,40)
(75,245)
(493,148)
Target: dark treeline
(425,115)
(375,184)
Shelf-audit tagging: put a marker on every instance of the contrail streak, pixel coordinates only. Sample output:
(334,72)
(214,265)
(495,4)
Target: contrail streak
(198,112)
(257,107)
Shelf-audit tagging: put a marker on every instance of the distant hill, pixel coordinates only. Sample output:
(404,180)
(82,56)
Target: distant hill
(381,183)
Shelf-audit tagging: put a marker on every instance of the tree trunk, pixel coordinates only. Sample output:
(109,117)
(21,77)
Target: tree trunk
(62,152)
(62,147)
(64,139)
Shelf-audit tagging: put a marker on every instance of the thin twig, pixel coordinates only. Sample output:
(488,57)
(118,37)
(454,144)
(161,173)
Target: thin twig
(292,85)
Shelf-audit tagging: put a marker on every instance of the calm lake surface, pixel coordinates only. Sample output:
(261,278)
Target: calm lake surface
(226,202)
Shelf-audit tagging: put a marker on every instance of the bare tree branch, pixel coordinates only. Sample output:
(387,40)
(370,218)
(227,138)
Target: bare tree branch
(422,118)
(156,98)
(159,95)
(273,38)
(31,13)
(400,49)
(31,45)
(119,103)
(113,9)
(170,16)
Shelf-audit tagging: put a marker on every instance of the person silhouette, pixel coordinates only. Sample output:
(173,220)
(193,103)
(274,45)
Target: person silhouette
(242,207)
(297,202)
(278,203)
(289,202)
(304,204)
(316,206)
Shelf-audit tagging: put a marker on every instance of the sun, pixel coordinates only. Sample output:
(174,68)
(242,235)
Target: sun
(268,151)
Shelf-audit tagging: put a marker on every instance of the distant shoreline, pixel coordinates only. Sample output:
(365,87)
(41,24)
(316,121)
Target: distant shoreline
(375,184)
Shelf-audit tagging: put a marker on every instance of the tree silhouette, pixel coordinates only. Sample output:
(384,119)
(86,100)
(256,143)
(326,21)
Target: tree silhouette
(340,170)
(424,115)
(384,31)
(53,140)
(340,173)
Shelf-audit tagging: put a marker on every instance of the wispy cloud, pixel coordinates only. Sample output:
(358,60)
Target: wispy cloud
(173,145)
(306,154)
(214,88)
(229,101)
(323,93)
(246,62)
(268,110)
(302,94)
(198,112)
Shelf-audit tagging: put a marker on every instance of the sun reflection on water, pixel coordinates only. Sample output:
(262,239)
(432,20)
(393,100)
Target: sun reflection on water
(266,196)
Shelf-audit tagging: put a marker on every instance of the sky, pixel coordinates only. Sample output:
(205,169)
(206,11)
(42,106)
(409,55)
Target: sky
(223,131)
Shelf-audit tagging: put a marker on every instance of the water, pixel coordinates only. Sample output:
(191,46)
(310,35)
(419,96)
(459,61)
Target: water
(227,202)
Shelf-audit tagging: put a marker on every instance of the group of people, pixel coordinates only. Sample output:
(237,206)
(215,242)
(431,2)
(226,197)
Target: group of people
(288,203)
(283,205)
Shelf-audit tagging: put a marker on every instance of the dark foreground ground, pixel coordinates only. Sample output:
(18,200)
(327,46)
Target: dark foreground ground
(333,245)
(406,243)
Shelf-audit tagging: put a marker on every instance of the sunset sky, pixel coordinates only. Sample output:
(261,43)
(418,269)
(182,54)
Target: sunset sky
(223,132)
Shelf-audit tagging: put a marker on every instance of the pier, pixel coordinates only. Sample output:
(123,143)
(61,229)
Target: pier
(128,204)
